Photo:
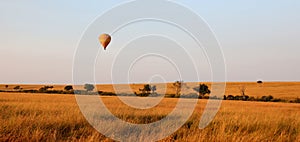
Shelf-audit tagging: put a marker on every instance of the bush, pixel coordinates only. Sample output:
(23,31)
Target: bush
(238,97)
(170,95)
(108,94)
(80,92)
(45,89)
(259,81)
(252,99)
(143,94)
(215,98)
(230,97)
(246,98)
(277,100)
(297,100)
(205,97)
(192,95)
(266,98)
(30,91)
(68,88)
(17,88)
(54,92)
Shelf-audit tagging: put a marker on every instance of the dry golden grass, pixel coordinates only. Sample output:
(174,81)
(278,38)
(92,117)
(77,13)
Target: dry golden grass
(283,90)
(41,117)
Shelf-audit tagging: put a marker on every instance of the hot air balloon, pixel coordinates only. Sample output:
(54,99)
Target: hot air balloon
(104,40)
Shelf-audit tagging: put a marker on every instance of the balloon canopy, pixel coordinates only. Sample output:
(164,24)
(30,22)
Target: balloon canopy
(104,40)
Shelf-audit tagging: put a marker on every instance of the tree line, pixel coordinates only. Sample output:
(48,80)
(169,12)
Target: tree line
(147,90)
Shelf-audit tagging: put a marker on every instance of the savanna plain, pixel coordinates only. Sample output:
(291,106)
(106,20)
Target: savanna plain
(51,117)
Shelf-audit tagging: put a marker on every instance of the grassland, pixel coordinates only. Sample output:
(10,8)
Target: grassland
(42,117)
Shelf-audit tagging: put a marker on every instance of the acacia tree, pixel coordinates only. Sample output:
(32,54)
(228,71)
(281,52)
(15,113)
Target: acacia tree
(202,89)
(17,88)
(153,89)
(178,85)
(242,90)
(89,87)
(243,93)
(146,90)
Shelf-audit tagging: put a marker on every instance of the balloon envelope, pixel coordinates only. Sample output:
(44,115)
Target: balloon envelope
(104,40)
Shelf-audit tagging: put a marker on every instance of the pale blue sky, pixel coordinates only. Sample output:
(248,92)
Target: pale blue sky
(260,39)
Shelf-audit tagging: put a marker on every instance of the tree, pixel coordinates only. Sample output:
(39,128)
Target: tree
(177,85)
(45,88)
(68,88)
(243,90)
(146,90)
(243,93)
(89,87)
(202,89)
(17,88)
(6,86)
(153,89)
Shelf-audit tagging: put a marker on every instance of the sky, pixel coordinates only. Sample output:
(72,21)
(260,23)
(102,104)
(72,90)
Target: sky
(38,39)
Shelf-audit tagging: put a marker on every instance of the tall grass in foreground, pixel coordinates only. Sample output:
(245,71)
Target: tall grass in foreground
(26,117)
